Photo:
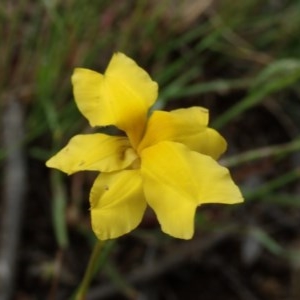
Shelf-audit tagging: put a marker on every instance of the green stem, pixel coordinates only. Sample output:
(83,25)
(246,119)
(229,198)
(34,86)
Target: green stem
(89,272)
(259,153)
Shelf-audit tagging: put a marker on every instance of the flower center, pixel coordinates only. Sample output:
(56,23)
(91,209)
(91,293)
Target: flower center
(136,164)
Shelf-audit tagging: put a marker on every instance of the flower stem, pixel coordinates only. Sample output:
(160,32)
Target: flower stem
(89,272)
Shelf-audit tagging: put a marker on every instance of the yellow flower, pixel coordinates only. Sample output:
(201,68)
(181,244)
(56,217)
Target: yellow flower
(166,160)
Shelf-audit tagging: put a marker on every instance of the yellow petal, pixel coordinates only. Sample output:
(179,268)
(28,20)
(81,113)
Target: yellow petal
(93,152)
(175,125)
(87,89)
(208,142)
(121,97)
(187,126)
(177,180)
(117,203)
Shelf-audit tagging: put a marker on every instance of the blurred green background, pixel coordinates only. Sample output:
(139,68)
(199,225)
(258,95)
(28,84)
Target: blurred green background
(239,59)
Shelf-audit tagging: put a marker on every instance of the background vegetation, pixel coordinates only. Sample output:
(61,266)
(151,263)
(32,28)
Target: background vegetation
(240,59)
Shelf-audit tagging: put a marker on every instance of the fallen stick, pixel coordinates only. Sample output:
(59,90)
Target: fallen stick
(14,186)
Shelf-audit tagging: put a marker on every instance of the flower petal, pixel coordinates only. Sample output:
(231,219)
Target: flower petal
(87,89)
(117,203)
(93,152)
(208,142)
(187,126)
(121,97)
(177,180)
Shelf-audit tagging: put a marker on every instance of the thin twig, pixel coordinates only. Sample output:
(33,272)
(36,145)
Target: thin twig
(13,193)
